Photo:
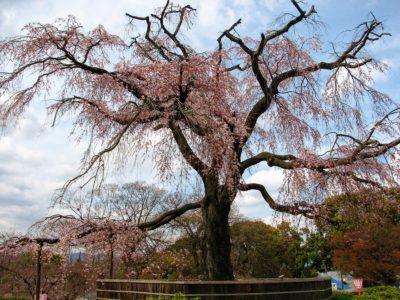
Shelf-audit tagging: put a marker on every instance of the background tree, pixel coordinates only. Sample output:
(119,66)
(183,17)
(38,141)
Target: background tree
(102,229)
(364,234)
(371,252)
(169,263)
(129,203)
(31,268)
(52,240)
(263,251)
(62,277)
(191,233)
(316,253)
(277,99)
(259,250)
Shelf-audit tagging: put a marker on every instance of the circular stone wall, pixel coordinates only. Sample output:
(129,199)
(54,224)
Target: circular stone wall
(268,289)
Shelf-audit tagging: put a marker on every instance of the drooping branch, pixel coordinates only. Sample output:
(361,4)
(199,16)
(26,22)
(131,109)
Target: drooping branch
(114,142)
(119,117)
(73,62)
(369,182)
(85,228)
(54,53)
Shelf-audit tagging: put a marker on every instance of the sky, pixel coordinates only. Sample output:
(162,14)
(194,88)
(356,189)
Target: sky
(36,159)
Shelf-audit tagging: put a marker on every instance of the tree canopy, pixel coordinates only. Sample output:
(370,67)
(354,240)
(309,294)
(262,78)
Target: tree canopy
(283,99)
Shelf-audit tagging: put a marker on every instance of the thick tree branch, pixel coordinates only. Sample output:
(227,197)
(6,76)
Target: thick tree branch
(172,36)
(282,161)
(96,70)
(299,208)
(302,16)
(116,116)
(159,48)
(186,150)
(291,162)
(265,102)
(348,59)
(155,41)
(169,216)
(363,149)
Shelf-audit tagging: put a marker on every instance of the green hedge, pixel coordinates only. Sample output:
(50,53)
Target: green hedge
(381,293)
(374,293)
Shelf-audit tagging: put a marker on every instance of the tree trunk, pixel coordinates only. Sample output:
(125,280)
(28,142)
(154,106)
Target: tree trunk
(215,214)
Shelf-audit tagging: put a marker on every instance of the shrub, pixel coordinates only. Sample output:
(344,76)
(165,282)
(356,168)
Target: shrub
(381,293)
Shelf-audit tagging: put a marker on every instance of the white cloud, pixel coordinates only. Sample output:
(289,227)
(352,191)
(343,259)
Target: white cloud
(32,166)
(390,43)
(35,160)
(251,203)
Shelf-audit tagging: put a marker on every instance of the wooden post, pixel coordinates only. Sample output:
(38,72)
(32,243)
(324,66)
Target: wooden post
(111,266)
(38,270)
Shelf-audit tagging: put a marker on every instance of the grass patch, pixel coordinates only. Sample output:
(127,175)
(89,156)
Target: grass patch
(342,296)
